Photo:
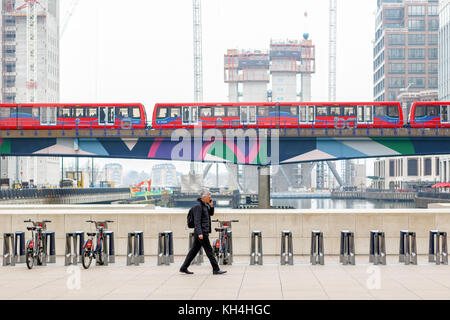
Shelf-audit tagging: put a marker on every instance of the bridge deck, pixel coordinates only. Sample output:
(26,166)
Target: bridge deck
(292,132)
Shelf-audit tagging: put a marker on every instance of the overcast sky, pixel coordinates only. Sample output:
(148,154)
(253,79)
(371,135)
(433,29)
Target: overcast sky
(142,51)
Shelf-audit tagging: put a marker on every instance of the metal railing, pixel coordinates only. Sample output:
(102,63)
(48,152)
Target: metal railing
(9,194)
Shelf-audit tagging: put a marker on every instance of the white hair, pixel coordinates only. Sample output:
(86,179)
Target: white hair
(204,193)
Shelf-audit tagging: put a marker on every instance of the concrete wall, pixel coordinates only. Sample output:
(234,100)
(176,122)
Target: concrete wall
(271,222)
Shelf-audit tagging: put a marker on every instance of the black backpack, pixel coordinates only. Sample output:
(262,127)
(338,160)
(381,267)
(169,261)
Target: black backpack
(190,218)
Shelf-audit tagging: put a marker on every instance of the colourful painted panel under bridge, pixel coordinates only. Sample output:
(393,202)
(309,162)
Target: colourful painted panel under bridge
(251,151)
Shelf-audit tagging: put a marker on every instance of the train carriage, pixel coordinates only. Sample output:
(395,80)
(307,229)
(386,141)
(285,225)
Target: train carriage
(72,116)
(278,115)
(429,114)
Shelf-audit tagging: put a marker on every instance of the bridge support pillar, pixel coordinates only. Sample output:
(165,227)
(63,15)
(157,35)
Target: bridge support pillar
(264,187)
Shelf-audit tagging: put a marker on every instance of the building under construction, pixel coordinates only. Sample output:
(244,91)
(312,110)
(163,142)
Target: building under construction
(282,73)
(30,73)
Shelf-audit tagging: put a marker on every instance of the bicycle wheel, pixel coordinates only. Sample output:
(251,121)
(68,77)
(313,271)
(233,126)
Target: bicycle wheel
(29,259)
(41,253)
(86,258)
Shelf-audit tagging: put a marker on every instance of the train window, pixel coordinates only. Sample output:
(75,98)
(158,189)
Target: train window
(122,112)
(205,112)
(335,111)
(291,110)
(233,112)
(393,111)
(25,111)
(175,112)
(360,113)
(252,114)
(433,111)
(420,111)
(194,114)
(92,113)
(79,112)
(162,113)
(444,113)
(381,111)
(302,114)
(311,114)
(263,111)
(219,111)
(5,113)
(368,114)
(321,111)
(35,112)
(349,111)
(136,113)
(65,112)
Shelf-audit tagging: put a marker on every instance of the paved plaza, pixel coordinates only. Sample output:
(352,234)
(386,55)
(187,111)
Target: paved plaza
(242,282)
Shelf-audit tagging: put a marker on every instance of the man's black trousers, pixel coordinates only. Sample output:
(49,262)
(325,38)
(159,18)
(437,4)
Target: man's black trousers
(196,248)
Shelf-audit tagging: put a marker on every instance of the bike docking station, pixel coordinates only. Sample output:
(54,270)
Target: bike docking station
(199,257)
(256,258)
(74,248)
(436,253)
(286,236)
(135,248)
(223,246)
(347,251)
(165,248)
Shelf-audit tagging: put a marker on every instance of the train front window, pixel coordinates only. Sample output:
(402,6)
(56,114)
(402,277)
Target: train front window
(433,111)
(420,111)
(380,111)
(35,112)
(393,112)
(162,113)
(175,112)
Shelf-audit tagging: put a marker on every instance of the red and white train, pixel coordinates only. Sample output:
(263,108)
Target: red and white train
(224,115)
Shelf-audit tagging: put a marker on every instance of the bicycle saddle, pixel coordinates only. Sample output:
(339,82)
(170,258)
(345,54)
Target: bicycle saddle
(31,228)
(221,229)
(91,234)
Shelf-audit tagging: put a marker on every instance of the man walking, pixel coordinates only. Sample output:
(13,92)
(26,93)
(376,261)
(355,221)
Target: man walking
(202,221)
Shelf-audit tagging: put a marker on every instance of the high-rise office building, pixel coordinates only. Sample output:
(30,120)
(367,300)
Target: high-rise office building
(30,73)
(405,47)
(444,50)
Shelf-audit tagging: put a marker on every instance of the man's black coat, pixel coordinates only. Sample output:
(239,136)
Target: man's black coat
(202,217)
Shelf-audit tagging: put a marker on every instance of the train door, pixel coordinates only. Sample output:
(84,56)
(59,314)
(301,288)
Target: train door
(190,115)
(47,116)
(248,115)
(365,114)
(106,116)
(306,115)
(445,114)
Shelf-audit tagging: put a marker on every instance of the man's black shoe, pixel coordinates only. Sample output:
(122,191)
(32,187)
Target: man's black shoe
(219,272)
(186,271)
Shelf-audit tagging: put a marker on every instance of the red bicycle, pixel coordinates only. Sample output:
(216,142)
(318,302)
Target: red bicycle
(35,248)
(98,253)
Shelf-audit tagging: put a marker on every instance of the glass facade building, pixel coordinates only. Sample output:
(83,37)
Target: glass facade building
(405,47)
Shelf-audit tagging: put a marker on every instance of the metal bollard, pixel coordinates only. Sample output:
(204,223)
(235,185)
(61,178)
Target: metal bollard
(79,238)
(164,246)
(109,239)
(199,258)
(286,236)
(435,252)
(347,252)
(377,250)
(253,254)
(135,248)
(70,256)
(408,247)
(8,246)
(317,252)
(19,242)
(50,247)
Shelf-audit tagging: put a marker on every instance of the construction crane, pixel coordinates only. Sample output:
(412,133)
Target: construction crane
(67,16)
(198,59)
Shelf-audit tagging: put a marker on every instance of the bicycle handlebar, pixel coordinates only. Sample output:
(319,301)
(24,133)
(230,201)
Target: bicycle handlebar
(217,220)
(45,221)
